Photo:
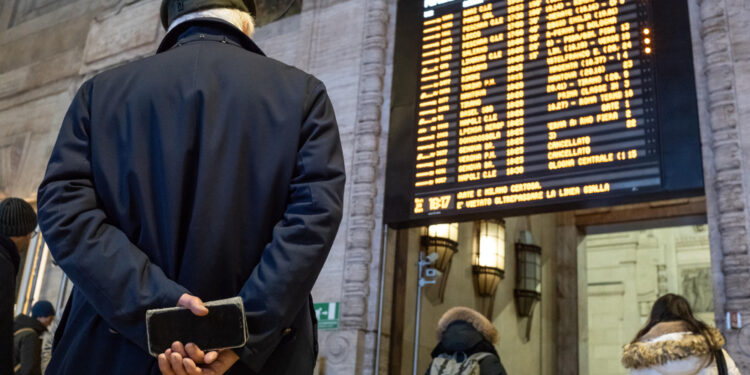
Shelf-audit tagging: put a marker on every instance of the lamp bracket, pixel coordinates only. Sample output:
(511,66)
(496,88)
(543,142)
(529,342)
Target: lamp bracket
(427,241)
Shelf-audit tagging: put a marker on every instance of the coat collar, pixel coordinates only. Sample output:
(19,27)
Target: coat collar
(672,344)
(475,319)
(462,337)
(25,321)
(208,26)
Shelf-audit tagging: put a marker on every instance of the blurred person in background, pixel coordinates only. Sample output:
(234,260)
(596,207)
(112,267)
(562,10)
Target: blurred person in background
(675,342)
(27,338)
(466,345)
(17,223)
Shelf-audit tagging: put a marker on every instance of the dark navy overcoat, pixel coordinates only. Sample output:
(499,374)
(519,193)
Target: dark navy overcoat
(207,169)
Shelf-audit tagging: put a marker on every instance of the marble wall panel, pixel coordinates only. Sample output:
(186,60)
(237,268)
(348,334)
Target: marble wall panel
(24,10)
(28,132)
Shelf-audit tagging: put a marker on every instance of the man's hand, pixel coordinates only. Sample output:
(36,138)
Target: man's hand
(190,360)
(193,303)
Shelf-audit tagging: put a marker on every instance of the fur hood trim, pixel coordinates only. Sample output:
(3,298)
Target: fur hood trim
(477,320)
(655,352)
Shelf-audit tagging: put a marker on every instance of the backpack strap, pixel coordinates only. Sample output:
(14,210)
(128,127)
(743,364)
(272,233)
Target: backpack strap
(721,362)
(23,330)
(441,369)
(480,356)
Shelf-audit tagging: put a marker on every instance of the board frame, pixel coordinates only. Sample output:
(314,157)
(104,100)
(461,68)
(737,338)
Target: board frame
(677,122)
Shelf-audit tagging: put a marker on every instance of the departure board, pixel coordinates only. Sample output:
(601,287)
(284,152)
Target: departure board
(529,106)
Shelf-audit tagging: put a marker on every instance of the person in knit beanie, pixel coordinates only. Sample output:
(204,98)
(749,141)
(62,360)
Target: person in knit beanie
(17,223)
(27,338)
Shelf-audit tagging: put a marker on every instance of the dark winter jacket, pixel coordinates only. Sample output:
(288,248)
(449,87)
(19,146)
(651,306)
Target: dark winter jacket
(207,169)
(9,260)
(27,345)
(460,332)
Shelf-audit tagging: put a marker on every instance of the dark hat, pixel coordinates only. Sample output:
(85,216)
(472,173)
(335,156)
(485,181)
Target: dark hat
(17,218)
(42,309)
(172,9)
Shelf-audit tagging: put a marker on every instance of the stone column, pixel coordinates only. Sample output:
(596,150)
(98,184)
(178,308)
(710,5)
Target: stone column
(728,215)
(567,267)
(359,308)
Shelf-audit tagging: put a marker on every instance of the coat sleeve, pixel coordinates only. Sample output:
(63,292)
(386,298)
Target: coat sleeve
(7,296)
(30,355)
(114,275)
(279,285)
(492,365)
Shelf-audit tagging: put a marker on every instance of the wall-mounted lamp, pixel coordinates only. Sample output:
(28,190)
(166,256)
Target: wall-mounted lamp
(528,274)
(441,239)
(488,262)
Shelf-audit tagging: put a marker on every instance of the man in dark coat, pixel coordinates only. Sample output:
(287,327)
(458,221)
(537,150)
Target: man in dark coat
(17,222)
(465,332)
(27,342)
(206,170)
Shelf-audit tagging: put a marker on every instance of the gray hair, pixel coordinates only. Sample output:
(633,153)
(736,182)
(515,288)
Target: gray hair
(242,20)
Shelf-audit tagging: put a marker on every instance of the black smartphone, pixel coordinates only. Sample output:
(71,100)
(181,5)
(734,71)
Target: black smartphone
(224,327)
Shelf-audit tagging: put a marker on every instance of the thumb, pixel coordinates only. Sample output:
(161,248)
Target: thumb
(194,304)
(210,357)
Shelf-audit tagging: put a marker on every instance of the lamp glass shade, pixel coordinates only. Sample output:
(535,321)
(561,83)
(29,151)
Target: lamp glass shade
(490,245)
(529,270)
(447,231)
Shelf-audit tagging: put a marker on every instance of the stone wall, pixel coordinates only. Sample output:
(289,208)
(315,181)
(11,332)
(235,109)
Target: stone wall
(49,48)
(722,60)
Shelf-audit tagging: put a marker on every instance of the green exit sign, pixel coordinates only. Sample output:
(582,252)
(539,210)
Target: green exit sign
(328,315)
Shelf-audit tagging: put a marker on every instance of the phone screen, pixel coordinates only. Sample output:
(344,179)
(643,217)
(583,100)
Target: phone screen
(223,327)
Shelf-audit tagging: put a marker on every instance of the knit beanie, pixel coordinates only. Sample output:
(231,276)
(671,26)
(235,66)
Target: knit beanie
(17,218)
(173,9)
(42,309)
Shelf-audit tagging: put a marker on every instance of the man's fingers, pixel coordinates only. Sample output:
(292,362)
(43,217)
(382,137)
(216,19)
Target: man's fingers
(164,365)
(176,361)
(210,357)
(197,307)
(177,347)
(193,303)
(190,367)
(195,353)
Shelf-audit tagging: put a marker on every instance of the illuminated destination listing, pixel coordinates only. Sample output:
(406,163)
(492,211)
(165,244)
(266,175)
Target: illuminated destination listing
(522,101)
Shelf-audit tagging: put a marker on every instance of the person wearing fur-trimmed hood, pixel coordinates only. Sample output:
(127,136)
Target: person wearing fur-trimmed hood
(674,342)
(462,330)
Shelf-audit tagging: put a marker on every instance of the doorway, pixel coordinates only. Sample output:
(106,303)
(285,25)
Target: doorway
(625,272)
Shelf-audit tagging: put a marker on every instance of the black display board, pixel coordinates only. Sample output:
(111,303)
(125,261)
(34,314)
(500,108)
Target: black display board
(513,107)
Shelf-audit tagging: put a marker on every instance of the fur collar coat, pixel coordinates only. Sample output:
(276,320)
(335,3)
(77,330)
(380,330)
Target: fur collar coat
(671,349)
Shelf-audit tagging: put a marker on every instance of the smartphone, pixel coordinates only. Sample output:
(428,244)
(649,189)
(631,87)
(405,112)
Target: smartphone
(224,327)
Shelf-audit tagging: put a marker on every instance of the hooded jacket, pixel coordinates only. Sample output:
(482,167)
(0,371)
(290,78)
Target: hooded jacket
(206,169)
(462,330)
(670,348)
(9,260)
(27,345)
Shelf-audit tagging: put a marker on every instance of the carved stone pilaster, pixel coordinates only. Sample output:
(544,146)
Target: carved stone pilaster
(724,176)
(110,8)
(363,188)
(124,31)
